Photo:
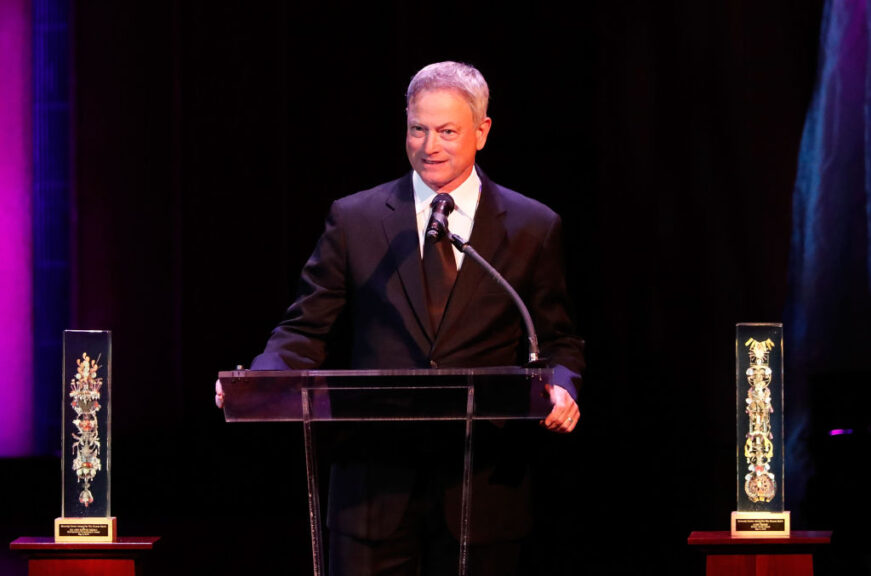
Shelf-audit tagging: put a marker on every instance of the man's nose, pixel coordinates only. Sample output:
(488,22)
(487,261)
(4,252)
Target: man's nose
(432,143)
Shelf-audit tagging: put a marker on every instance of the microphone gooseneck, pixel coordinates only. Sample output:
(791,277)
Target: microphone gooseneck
(466,248)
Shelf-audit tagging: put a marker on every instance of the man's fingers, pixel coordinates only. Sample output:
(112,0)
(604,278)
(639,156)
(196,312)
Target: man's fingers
(565,414)
(219,394)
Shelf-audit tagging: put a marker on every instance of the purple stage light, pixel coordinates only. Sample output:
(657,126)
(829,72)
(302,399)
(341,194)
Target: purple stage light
(16,239)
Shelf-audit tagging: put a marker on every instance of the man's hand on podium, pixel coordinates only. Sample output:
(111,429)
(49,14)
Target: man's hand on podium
(565,413)
(219,394)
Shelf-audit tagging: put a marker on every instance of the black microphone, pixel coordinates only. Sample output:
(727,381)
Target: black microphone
(442,206)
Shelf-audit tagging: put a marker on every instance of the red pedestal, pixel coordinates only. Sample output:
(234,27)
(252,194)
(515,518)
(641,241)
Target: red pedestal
(45,557)
(791,555)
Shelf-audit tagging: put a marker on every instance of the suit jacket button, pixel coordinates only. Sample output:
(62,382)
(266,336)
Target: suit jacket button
(433,364)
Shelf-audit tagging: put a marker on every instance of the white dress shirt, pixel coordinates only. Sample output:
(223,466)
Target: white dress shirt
(460,221)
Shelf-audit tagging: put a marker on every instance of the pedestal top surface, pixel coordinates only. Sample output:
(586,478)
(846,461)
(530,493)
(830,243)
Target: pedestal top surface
(48,543)
(725,538)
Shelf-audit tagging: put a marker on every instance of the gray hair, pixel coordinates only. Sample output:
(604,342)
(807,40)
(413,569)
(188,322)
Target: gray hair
(464,78)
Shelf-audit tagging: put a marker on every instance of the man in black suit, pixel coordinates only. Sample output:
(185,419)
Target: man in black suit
(387,488)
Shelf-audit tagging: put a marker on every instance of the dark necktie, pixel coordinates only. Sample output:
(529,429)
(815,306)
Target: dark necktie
(439,266)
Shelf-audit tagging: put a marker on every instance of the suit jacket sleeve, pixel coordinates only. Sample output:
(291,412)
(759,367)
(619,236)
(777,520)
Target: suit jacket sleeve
(551,309)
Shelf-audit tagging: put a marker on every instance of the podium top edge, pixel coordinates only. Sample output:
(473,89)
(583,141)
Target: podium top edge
(483,371)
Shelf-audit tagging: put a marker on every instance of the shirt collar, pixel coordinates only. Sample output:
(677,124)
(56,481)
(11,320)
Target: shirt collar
(465,196)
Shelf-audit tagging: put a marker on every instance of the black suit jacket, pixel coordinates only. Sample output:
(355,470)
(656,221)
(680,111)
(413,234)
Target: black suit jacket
(367,265)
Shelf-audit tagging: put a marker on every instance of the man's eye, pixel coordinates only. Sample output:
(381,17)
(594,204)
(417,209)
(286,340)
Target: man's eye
(449,133)
(415,130)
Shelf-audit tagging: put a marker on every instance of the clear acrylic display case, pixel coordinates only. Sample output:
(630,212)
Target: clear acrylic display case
(759,417)
(86,438)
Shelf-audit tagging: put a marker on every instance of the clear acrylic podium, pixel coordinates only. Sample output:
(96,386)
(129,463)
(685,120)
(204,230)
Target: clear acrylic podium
(308,396)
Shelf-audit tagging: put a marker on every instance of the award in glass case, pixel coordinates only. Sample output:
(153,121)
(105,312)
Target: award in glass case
(759,415)
(87,442)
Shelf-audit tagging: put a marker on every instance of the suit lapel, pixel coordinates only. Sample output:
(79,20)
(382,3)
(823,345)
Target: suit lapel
(400,227)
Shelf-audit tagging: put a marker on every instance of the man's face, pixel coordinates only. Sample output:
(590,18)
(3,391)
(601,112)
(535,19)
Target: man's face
(442,138)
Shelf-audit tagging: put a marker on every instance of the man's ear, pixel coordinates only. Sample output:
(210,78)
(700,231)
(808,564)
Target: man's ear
(482,131)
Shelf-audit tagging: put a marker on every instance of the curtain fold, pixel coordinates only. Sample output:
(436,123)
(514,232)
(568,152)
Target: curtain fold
(828,310)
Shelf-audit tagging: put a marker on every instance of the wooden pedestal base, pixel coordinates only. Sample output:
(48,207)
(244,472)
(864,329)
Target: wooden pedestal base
(45,557)
(791,555)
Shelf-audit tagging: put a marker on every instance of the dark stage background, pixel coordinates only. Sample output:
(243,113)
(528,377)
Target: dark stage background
(210,138)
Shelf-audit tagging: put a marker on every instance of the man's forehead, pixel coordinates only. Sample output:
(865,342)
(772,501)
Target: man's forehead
(444,106)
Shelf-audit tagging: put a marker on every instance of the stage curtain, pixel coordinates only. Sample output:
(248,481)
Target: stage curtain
(828,309)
